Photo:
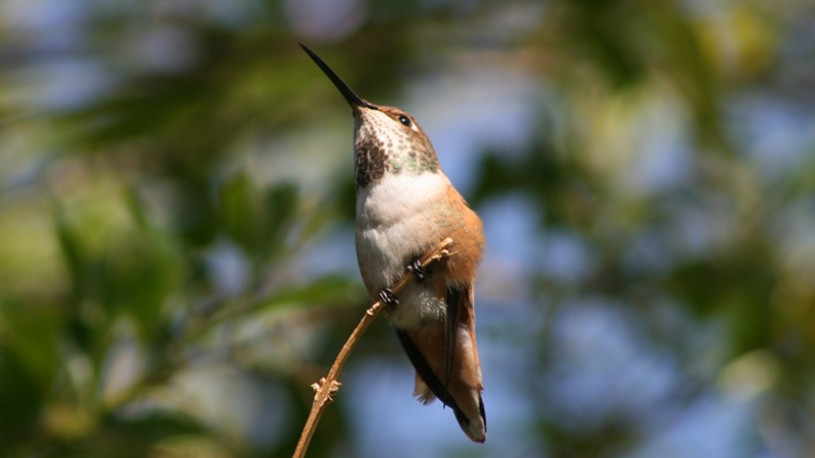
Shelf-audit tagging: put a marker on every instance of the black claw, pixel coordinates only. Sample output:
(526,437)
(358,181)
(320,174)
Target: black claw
(388,298)
(417,270)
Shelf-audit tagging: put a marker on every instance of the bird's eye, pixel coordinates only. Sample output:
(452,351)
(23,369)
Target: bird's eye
(404,120)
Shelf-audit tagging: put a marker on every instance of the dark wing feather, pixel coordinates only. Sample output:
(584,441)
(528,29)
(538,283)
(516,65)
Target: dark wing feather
(425,372)
(452,299)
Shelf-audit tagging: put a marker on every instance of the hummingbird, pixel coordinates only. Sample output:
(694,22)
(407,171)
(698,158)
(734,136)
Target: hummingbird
(406,205)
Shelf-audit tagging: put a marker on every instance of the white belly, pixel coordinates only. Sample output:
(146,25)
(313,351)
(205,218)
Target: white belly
(395,224)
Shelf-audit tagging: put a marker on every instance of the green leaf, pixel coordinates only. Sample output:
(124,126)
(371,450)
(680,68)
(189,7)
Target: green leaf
(258,221)
(240,212)
(281,203)
(328,289)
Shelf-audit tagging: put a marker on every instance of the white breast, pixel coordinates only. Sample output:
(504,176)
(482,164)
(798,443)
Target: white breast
(395,197)
(394,220)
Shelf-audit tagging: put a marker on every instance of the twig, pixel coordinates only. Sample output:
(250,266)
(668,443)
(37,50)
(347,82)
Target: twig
(328,385)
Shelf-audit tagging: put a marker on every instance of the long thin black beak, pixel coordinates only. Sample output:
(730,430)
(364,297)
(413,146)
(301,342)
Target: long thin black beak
(353,99)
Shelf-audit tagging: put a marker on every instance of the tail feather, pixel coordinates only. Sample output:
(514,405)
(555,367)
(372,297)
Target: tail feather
(475,430)
(459,385)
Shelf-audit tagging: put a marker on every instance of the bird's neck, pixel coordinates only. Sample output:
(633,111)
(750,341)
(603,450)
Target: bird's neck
(378,151)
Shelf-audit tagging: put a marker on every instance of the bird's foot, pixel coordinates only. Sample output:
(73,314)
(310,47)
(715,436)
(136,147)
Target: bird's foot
(417,270)
(388,298)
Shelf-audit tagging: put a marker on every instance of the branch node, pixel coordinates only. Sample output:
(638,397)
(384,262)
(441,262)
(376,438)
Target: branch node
(333,388)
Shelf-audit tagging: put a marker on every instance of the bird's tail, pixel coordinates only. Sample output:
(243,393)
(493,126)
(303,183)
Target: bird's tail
(459,387)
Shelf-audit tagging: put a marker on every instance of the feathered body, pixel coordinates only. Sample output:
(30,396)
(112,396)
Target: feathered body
(405,205)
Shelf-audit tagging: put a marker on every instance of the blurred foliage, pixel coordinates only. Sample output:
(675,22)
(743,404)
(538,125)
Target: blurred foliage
(167,203)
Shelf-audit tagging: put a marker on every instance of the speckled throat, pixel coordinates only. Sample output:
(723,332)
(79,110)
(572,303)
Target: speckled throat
(388,140)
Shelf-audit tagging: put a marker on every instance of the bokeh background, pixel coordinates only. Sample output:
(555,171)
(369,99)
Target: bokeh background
(176,224)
